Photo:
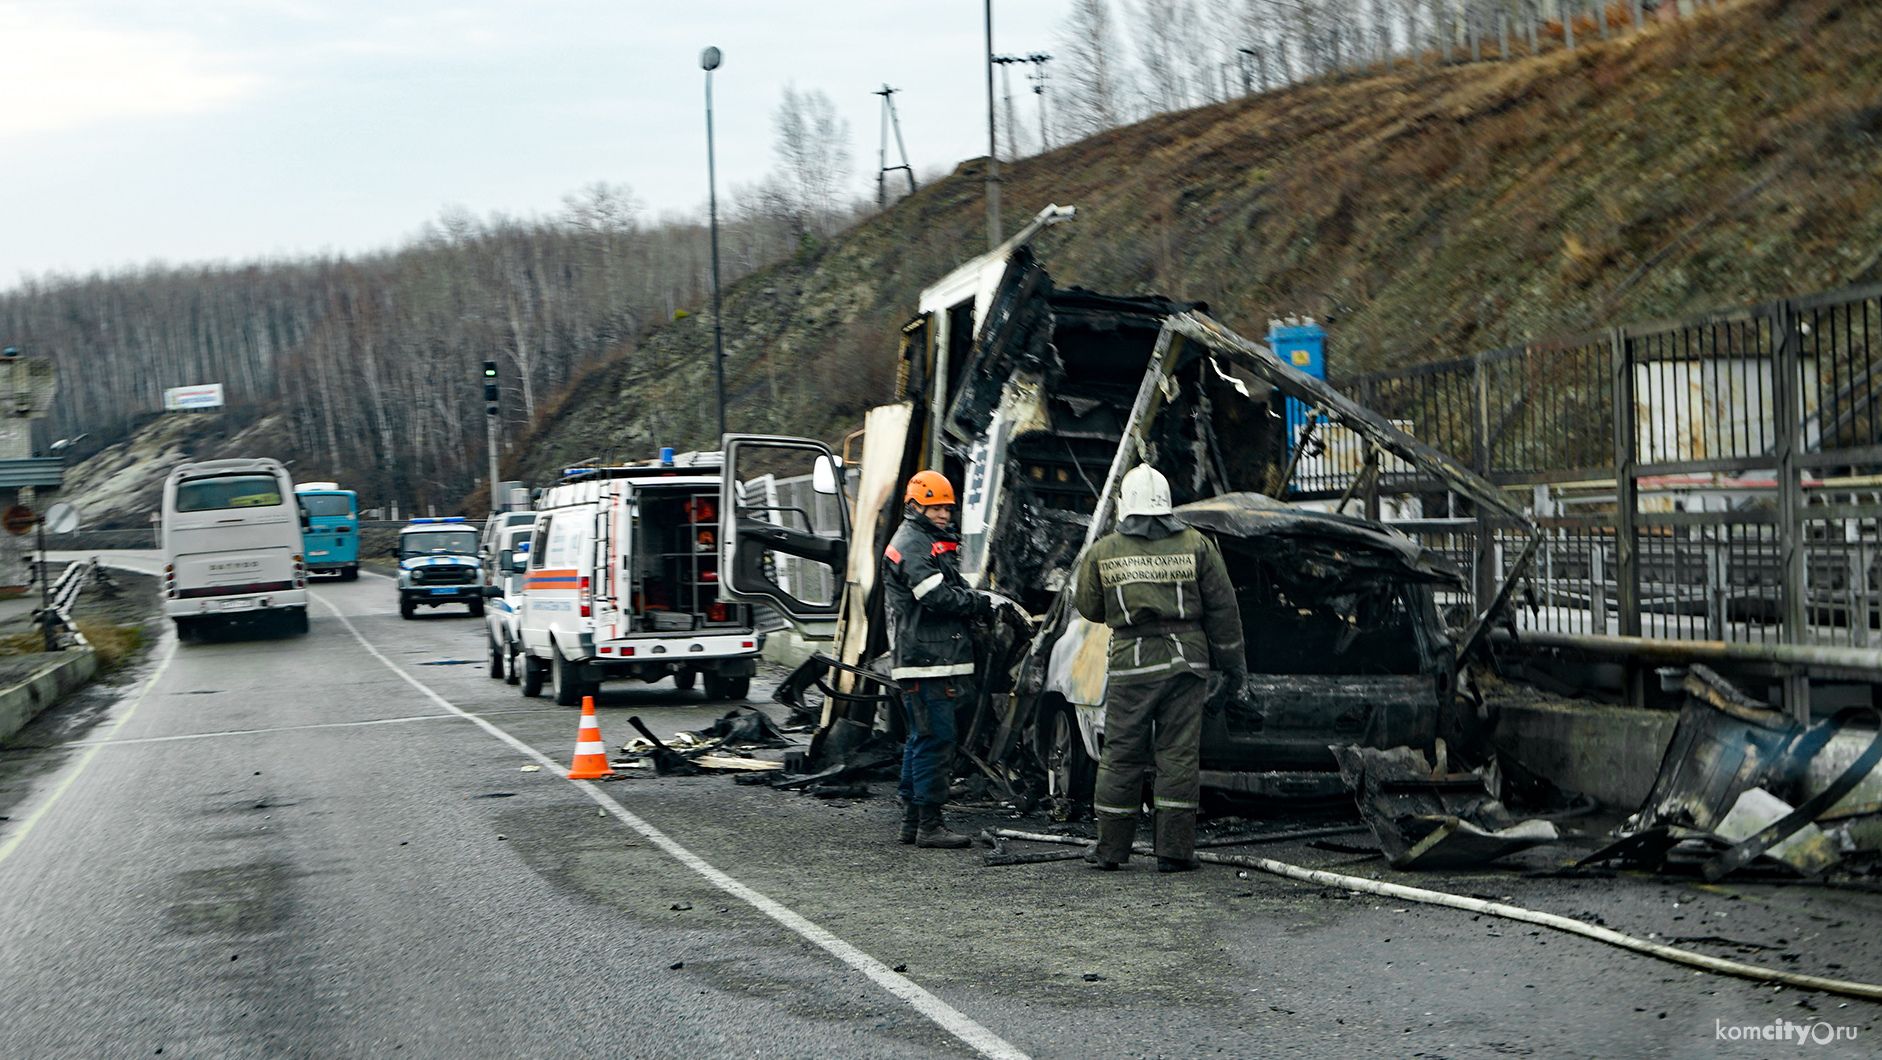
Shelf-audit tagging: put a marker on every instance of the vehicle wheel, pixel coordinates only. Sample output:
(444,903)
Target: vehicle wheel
(186,629)
(1069,769)
(513,671)
(532,675)
(568,688)
(477,608)
(349,574)
(406,609)
(496,659)
(297,621)
(685,679)
(727,687)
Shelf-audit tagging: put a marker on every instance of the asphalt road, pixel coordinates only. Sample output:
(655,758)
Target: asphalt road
(331,845)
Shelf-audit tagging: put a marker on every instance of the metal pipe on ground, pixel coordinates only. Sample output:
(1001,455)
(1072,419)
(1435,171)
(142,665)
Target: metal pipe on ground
(1868,991)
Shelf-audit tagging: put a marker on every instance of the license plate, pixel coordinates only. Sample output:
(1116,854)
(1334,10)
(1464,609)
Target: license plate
(444,592)
(237,605)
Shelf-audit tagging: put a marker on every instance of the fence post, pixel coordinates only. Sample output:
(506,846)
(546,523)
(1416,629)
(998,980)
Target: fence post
(1786,380)
(1598,588)
(1626,502)
(1368,396)
(1488,578)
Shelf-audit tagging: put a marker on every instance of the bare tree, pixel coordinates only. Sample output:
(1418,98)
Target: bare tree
(1093,87)
(812,144)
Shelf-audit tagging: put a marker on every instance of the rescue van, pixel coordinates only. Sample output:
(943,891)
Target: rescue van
(232,546)
(627,576)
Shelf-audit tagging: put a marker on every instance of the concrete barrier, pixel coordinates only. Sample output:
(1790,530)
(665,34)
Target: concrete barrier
(1611,753)
(46,686)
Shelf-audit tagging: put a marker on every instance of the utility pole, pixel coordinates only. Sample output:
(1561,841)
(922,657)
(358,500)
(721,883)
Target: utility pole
(1038,61)
(994,238)
(490,429)
(889,120)
(1005,63)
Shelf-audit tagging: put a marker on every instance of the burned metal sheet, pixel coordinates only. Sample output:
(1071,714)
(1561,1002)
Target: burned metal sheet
(1427,819)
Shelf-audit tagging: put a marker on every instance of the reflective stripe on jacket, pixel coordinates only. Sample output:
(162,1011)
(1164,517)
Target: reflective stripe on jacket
(928,602)
(1168,602)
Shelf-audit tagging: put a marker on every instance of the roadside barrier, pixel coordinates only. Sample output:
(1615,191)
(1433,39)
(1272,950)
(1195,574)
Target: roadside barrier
(591,754)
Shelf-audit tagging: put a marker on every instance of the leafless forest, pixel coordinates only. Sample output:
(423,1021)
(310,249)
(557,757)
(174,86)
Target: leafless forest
(372,361)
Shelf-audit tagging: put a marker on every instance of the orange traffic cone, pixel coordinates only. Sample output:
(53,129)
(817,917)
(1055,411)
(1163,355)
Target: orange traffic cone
(591,755)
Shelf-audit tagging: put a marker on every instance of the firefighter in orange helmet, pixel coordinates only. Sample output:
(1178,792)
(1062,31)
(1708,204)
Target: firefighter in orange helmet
(929,606)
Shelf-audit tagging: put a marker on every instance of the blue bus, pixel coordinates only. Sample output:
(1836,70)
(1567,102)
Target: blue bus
(330,528)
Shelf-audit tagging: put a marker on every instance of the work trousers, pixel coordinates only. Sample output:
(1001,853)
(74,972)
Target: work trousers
(1164,717)
(928,756)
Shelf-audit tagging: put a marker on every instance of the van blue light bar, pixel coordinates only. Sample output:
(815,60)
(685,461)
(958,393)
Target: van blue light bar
(442,519)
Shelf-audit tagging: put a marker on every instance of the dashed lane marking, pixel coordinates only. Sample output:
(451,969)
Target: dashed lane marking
(944,1015)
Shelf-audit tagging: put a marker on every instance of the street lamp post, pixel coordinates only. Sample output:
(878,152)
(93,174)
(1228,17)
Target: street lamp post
(709,61)
(993,151)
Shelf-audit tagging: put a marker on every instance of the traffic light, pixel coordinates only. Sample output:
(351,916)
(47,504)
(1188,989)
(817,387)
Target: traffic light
(490,382)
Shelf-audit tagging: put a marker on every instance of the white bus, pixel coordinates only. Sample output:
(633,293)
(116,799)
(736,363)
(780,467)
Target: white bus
(232,547)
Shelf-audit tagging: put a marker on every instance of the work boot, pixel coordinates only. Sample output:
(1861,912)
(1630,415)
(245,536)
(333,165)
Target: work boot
(1177,864)
(1115,835)
(911,821)
(1096,862)
(932,831)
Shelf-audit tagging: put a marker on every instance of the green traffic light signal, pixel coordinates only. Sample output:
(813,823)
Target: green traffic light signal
(490,369)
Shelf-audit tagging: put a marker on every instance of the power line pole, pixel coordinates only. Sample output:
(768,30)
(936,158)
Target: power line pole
(889,120)
(1038,76)
(1005,63)
(994,238)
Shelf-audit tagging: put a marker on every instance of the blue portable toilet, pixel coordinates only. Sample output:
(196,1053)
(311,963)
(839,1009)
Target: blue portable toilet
(1301,343)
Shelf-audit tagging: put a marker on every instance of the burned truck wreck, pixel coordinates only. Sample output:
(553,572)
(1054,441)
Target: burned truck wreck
(1037,399)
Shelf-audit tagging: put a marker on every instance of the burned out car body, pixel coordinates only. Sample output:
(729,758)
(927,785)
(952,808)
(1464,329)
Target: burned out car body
(1345,645)
(1035,400)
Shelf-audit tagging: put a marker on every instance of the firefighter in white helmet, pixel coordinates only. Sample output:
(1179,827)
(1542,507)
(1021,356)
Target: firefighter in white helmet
(1164,591)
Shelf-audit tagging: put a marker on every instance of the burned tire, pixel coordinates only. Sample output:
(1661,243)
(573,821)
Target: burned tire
(532,675)
(568,688)
(685,679)
(1070,770)
(727,687)
(496,659)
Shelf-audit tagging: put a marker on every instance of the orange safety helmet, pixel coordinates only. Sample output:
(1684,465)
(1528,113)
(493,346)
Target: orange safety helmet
(929,488)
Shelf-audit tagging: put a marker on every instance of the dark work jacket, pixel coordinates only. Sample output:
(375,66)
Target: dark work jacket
(929,603)
(1168,602)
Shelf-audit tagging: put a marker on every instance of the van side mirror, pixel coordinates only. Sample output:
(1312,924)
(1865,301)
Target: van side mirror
(507,562)
(823,475)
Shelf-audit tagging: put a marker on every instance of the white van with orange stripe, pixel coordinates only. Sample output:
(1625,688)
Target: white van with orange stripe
(622,582)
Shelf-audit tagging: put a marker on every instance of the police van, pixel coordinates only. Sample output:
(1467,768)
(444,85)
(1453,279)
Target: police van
(656,570)
(439,564)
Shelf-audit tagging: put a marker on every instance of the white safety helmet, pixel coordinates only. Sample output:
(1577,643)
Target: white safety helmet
(1145,492)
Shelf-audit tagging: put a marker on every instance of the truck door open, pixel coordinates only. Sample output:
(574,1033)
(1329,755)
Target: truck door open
(784,528)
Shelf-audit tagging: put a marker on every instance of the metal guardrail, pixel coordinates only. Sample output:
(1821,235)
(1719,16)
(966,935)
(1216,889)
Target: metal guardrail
(55,619)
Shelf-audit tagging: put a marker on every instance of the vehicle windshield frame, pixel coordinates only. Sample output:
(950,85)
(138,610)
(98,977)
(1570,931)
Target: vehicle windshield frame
(308,500)
(189,487)
(463,543)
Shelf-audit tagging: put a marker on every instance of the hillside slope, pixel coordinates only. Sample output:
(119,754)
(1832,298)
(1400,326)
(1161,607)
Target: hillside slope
(1702,163)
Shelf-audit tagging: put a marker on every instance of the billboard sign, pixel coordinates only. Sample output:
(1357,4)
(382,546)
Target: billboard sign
(207,396)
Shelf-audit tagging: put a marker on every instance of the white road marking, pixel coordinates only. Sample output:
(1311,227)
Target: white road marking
(292,728)
(71,774)
(946,1016)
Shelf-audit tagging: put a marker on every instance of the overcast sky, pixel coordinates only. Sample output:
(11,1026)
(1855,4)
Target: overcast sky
(184,131)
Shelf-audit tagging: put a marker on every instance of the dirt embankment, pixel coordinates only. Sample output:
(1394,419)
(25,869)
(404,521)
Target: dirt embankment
(1702,163)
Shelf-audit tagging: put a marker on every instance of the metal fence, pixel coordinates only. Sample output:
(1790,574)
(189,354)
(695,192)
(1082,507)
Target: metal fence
(1712,478)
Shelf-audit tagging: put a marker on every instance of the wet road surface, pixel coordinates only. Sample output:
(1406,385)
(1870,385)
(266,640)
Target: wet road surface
(331,845)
